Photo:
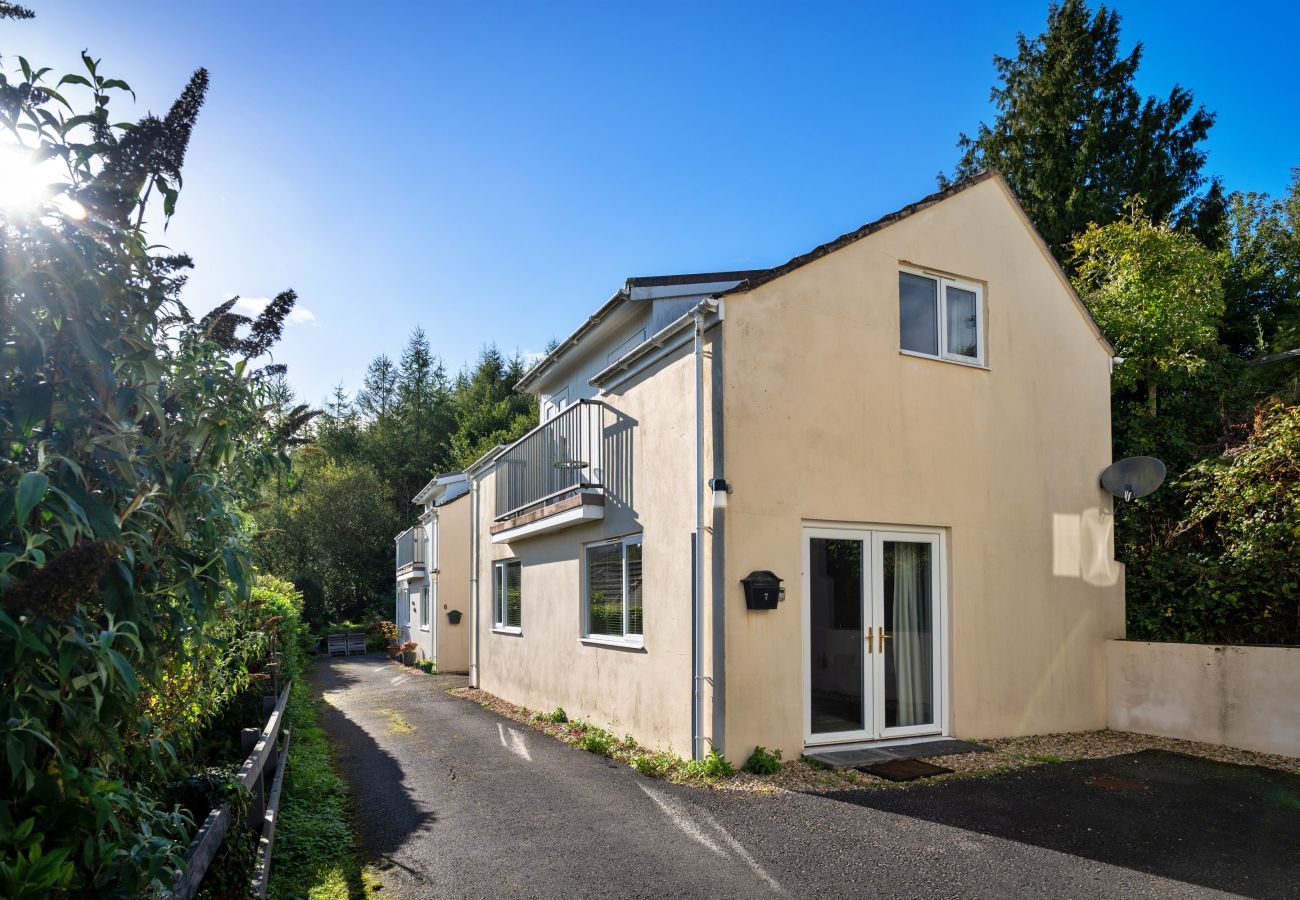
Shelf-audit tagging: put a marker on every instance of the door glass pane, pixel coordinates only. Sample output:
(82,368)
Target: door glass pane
(836,639)
(605,590)
(963,331)
(918,319)
(909,634)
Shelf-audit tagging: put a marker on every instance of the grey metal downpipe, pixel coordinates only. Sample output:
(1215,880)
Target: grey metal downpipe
(717,542)
(697,593)
(473,581)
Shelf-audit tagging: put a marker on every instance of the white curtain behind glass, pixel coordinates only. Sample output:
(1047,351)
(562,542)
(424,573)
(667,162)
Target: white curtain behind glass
(912,645)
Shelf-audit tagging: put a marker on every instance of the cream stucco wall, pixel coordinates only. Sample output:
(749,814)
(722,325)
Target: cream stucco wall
(827,422)
(1247,697)
(649,468)
(452,580)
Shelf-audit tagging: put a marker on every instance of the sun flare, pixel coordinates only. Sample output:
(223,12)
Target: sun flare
(21,187)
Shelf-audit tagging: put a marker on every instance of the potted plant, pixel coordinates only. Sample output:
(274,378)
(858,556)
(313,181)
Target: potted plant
(426,666)
(408,652)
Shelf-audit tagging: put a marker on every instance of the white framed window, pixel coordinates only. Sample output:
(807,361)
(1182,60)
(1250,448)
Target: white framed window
(555,404)
(507,596)
(611,597)
(424,608)
(940,317)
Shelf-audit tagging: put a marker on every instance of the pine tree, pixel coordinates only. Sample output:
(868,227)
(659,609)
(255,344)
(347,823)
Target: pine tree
(1074,138)
(378,396)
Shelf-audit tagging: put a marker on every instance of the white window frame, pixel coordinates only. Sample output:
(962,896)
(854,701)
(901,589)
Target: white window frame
(636,641)
(498,597)
(942,283)
(425,612)
(557,403)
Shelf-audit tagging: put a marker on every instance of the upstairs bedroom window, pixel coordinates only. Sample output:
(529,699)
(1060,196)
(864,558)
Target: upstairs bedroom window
(940,317)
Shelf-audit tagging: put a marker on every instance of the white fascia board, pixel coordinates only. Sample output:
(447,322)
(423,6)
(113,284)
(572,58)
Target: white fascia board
(645,354)
(664,291)
(425,491)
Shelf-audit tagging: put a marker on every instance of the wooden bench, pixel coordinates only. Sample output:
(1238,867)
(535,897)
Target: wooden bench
(337,644)
(356,642)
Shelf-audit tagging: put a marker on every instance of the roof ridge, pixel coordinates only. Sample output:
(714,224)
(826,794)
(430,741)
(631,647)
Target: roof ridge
(858,234)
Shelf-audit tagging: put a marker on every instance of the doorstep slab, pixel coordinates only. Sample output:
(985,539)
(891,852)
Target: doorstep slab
(852,757)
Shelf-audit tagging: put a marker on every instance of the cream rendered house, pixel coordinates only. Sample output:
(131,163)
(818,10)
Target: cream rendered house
(905,426)
(432,574)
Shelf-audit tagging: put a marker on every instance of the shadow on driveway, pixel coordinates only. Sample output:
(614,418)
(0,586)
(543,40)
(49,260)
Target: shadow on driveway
(1234,828)
(371,771)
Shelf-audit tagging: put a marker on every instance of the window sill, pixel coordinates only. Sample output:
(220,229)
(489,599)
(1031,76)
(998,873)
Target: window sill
(616,643)
(502,629)
(944,359)
(424,627)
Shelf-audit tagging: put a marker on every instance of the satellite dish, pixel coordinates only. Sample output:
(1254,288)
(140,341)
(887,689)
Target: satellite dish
(1134,477)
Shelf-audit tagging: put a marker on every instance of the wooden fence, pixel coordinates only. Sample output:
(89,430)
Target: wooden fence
(263,774)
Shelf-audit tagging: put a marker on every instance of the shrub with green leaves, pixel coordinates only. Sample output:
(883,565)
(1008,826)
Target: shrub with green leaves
(129,435)
(712,767)
(1229,569)
(655,765)
(557,715)
(597,741)
(763,761)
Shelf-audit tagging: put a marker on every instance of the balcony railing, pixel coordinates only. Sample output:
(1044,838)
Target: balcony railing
(410,549)
(559,457)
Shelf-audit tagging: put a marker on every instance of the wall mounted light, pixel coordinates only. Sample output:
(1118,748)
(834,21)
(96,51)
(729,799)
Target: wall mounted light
(720,491)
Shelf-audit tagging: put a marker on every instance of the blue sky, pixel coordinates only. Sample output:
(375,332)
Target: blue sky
(493,171)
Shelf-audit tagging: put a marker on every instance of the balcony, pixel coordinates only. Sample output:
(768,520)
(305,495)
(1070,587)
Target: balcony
(553,476)
(410,551)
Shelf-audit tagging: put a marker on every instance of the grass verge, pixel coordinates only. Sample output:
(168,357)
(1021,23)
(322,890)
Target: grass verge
(316,854)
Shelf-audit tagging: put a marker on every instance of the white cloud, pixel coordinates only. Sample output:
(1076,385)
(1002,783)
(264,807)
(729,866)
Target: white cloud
(253,306)
(532,357)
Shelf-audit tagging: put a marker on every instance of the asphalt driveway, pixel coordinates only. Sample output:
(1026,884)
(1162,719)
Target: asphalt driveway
(455,801)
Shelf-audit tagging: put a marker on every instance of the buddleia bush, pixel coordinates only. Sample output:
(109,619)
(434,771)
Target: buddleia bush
(129,432)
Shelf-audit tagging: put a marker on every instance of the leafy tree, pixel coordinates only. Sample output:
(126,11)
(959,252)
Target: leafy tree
(1074,138)
(337,533)
(1157,294)
(1260,242)
(130,434)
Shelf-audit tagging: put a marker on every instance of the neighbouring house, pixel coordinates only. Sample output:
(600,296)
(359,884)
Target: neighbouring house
(850,498)
(433,577)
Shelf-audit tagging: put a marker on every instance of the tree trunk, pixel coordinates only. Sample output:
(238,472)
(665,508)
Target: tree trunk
(1151,398)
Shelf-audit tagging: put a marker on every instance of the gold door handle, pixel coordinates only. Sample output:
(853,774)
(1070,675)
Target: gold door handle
(869,650)
(882,636)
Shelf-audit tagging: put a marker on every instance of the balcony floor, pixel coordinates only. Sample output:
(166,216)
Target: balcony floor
(574,510)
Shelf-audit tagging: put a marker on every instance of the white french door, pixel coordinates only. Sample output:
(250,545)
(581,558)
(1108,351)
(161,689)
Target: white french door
(873,608)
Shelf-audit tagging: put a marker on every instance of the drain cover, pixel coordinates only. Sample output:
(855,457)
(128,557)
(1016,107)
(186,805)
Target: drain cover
(904,770)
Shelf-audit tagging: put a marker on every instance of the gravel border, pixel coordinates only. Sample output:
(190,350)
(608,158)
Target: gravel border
(1005,755)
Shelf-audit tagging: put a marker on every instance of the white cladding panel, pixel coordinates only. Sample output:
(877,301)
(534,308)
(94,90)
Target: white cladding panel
(568,383)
